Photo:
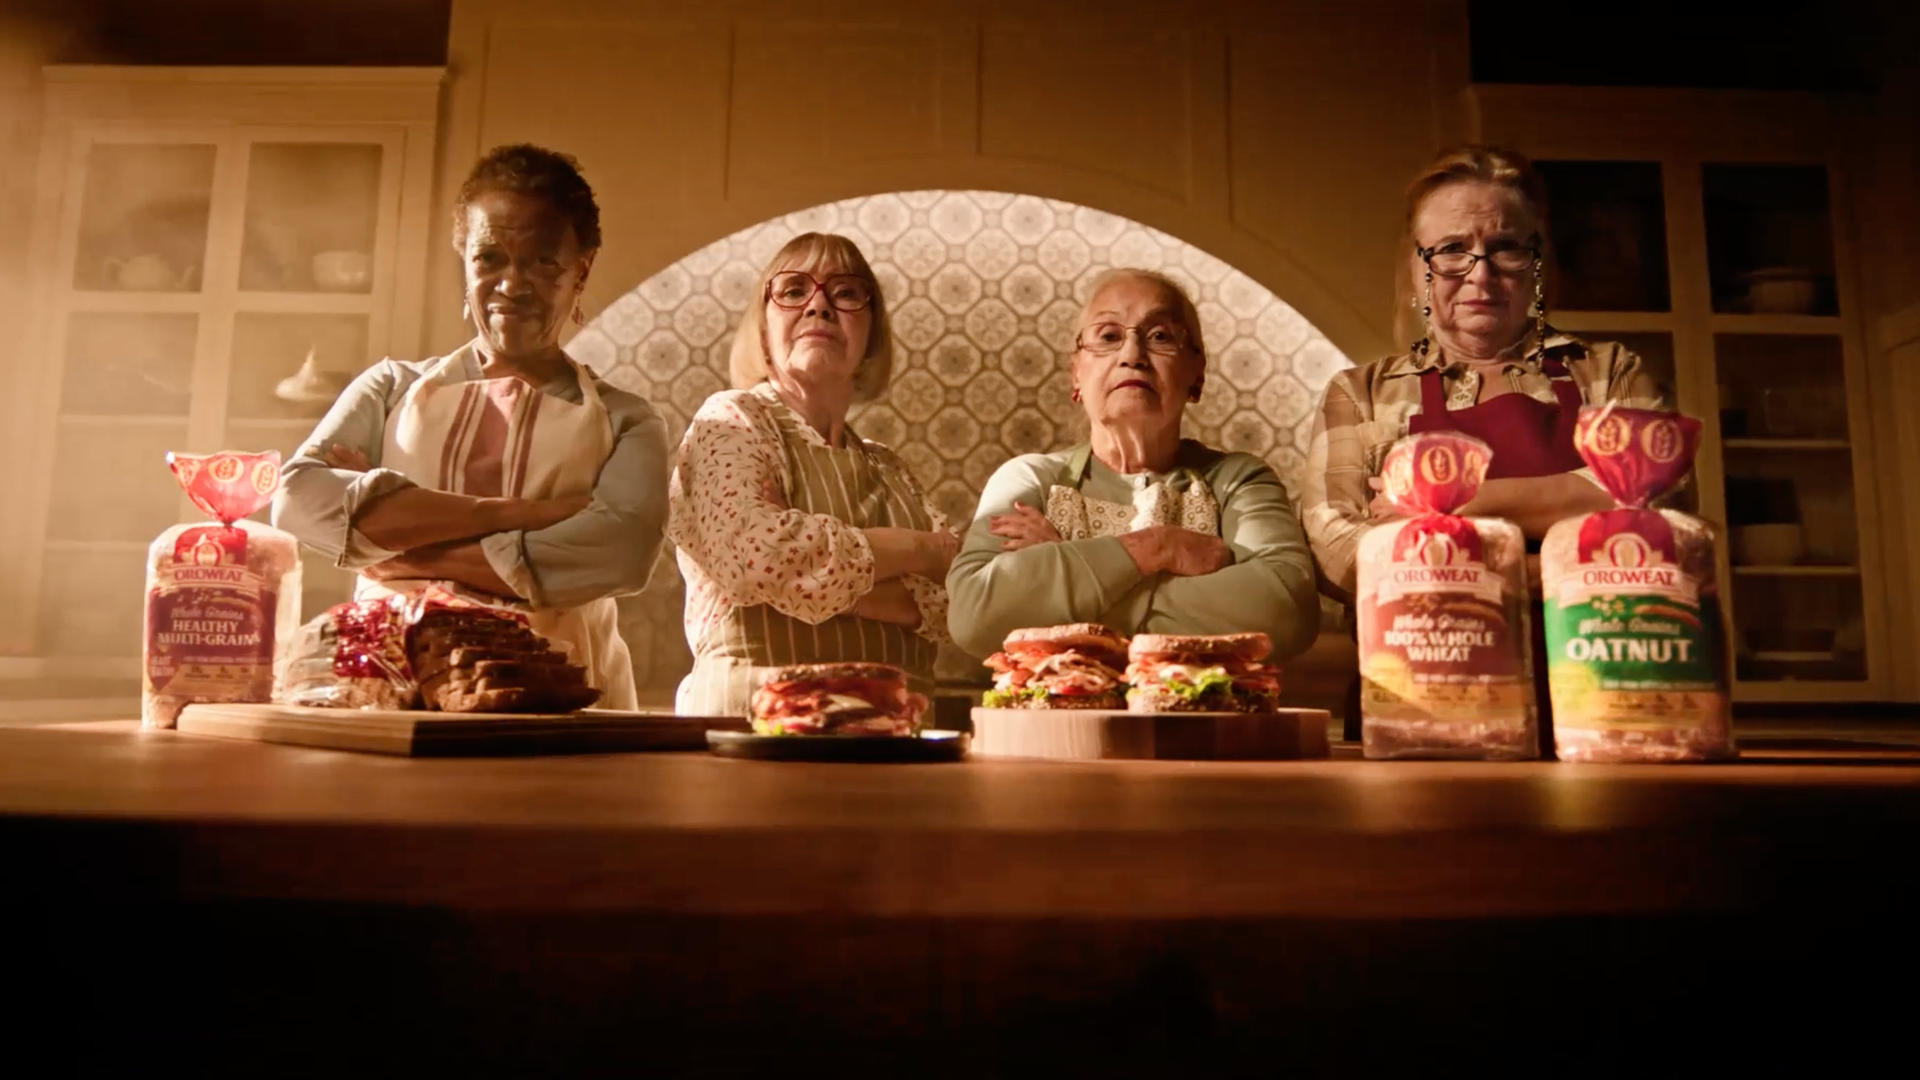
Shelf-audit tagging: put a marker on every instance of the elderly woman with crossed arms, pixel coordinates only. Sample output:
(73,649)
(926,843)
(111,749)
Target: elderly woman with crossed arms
(506,467)
(1138,528)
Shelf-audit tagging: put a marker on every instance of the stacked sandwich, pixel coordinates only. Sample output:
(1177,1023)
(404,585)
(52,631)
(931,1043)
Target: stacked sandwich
(1077,666)
(1201,673)
(1088,666)
(837,699)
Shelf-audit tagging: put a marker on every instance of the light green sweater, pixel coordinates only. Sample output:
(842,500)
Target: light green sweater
(1269,587)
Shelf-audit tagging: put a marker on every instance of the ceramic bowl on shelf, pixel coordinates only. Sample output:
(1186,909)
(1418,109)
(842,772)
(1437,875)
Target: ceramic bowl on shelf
(1764,545)
(342,271)
(1782,290)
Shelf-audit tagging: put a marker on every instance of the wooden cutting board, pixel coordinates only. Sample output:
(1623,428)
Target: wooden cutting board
(436,734)
(1102,735)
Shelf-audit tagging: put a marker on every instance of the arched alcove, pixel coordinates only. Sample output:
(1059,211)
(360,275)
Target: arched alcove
(985,290)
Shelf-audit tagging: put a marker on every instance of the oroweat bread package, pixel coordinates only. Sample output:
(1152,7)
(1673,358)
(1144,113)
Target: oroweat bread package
(1443,610)
(1636,666)
(223,596)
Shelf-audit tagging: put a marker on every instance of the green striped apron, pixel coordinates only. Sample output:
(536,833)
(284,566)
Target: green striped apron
(740,651)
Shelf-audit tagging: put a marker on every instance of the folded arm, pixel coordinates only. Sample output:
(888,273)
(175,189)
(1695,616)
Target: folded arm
(609,546)
(1269,586)
(1334,495)
(994,590)
(729,514)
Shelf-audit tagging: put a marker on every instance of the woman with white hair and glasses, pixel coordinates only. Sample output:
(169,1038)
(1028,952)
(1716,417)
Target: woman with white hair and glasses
(800,541)
(1137,528)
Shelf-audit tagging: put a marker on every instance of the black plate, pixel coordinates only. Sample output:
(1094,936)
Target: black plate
(927,748)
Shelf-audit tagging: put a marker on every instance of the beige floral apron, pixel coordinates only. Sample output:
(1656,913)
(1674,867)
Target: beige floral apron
(503,437)
(741,651)
(1182,499)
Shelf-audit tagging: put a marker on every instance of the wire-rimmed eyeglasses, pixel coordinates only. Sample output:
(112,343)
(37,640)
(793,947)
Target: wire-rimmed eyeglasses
(1161,339)
(793,288)
(1507,260)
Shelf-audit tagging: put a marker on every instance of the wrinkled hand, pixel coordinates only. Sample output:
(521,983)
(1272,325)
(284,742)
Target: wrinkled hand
(1192,554)
(346,459)
(1023,528)
(1381,508)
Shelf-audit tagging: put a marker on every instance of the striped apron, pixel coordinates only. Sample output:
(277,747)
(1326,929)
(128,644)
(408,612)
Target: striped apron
(503,437)
(740,651)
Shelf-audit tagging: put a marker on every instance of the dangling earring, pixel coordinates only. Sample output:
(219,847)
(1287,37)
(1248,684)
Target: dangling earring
(1539,304)
(1426,318)
(579,316)
(466,309)
(1194,393)
(1076,393)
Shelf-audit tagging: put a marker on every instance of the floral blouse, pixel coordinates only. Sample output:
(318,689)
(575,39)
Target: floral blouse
(740,542)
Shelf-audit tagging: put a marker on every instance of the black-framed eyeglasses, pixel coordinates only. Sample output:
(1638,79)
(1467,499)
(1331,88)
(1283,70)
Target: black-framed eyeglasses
(1161,339)
(793,288)
(1507,260)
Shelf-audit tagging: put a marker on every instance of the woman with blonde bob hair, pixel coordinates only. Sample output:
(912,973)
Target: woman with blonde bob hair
(800,541)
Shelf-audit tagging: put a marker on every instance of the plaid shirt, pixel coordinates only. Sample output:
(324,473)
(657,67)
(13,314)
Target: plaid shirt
(1365,411)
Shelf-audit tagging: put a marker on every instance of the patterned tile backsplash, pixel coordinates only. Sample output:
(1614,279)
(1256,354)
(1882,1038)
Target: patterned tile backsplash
(985,289)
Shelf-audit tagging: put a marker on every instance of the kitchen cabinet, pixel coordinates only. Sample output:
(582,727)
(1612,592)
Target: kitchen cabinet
(1711,232)
(224,248)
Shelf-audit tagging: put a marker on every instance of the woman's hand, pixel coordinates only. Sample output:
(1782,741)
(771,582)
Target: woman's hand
(1177,551)
(1381,508)
(346,459)
(888,601)
(1023,528)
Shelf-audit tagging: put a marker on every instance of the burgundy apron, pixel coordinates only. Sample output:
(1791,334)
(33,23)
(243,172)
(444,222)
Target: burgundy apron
(1529,438)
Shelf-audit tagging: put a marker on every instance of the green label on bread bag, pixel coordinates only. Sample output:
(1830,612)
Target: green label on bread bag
(1630,638)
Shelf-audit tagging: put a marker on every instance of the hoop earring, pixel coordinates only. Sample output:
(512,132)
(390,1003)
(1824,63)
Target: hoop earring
(1421,347)
(1539,304)
(1076,394)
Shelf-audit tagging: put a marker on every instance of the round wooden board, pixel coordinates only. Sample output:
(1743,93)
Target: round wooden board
(1106,735)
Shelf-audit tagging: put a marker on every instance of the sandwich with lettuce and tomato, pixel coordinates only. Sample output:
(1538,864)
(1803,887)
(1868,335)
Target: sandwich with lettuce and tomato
(1077,666)
(1201,673)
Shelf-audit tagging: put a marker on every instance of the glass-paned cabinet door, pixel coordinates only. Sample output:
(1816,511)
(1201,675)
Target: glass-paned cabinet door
(284,373)
(123,405)
(1792,520)
(1769,239)
(1608,225)
(144,209)
(312,214)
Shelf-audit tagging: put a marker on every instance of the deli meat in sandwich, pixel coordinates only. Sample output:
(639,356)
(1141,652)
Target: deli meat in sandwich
(837,699)
(1198,673)
(1077,666)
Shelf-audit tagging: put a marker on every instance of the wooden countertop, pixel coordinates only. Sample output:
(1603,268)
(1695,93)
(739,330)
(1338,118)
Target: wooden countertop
(190,818)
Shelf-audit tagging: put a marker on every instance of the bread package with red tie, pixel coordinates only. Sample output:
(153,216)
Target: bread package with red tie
(1076,666)
(1201,673)
(837,699)
(433,650)
(1443,611)
(223,596)
(1637,664)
